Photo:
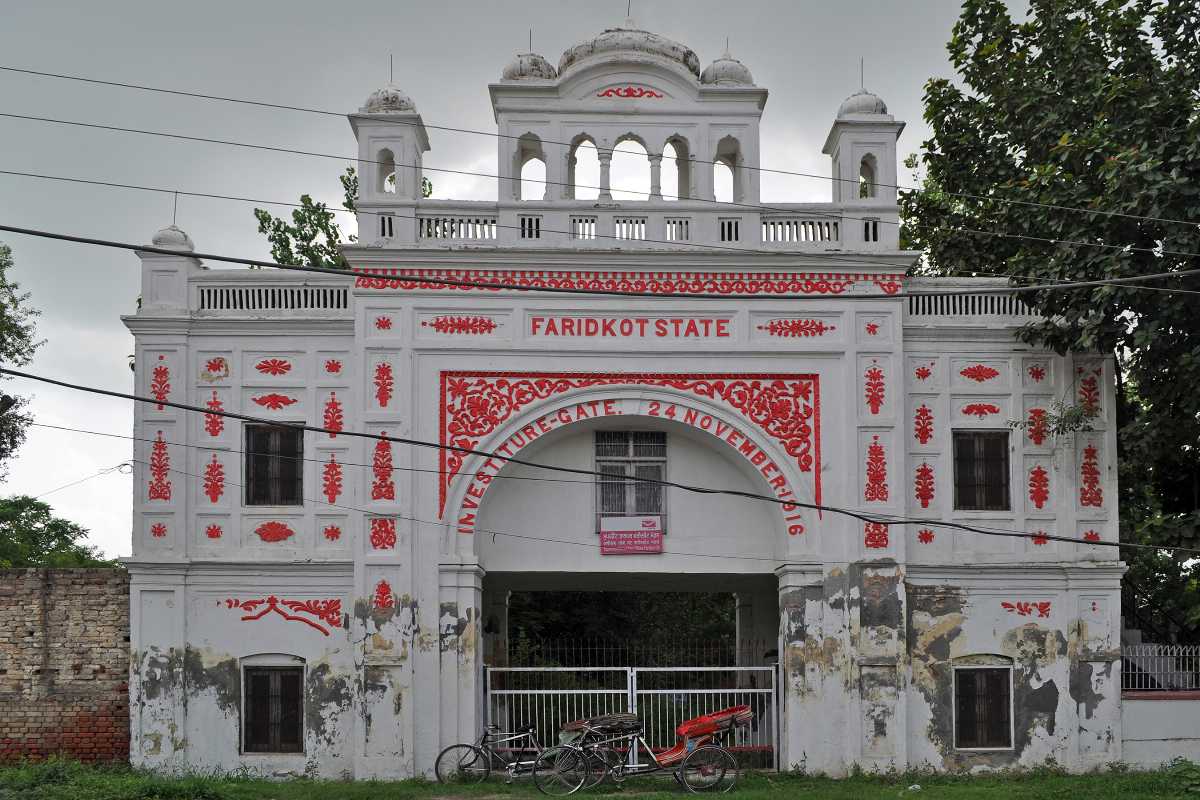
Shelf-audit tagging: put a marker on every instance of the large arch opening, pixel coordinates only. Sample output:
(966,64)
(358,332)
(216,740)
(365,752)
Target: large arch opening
(630,175)
(529,163)
(727,172)
(583,169)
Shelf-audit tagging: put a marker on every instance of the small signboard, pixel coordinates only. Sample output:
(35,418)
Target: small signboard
(623,536)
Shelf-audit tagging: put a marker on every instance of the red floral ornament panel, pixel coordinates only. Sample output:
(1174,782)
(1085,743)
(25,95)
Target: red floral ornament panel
(274,401)
(1091,536)
(213,531)
(158,530)
(383,383)
(923,484)
(875,535)
(160,466)
(214,479)
(1089,389)
(321,615)
(1037,372)
(873,385)
(1039,538)
(981,410)
(333,366)
(1039,486)
(629,92)
(1090,492)
(923,372)
(160,382)
(214,423)
(1024,608)
(466,325)
(978,372)
(331,479)
(383,598)
(274,366)
(332,533)
(274,531)
(383,487)
(1038,425)
(796,328)
(923,424)
(925,536)
(383,323)
(383,533)
(876,489)
(333,418)
(784,407)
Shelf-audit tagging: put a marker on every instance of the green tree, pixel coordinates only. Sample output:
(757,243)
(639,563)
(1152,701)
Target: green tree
(1088,104)
(31,536)
(17,344)
(313,235)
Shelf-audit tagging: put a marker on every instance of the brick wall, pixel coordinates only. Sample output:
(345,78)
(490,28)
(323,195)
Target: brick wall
(64,664)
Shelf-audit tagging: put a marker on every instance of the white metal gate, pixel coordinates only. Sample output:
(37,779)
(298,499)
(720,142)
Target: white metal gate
(548,697)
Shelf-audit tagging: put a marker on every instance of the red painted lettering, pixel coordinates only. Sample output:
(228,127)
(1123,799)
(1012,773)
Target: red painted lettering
(778,482)
(641,323)
(653,410)
(795,530)
(580,412)
(723,328)
(768,468)
(721,429)
(535,323)
(627,327)
(608,327)
(746,448)
(670,412)
(691,329)
(475,491)
(467,520)
(690,415)
(610,408)
(705,422)
(660,327)
(530,432)
(733,437)
(543,425)
(758,458)
(595,404)
(564,416)
(469,503)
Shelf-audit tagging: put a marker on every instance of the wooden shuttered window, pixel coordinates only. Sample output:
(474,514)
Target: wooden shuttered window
(982,708)
(274,466)
(981,471)
(274,710)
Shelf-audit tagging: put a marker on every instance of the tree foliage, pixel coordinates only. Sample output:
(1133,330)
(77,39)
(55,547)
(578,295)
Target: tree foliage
(17,344)
(31,536)
(313,235)
(1087,104)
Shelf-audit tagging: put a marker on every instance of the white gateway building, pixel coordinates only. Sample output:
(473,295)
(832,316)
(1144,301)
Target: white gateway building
(320,603)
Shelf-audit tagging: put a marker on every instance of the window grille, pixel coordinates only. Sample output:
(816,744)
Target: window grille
(981,471)
(531,227)
(622,455)
(983,707)
(386,226)
(583,227)
(730,229)
(274,466)
(870,230)
(633,228)
(274,710)
(678,229)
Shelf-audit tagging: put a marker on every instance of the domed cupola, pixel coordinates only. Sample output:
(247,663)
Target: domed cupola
(633,41)
(173,238)
(529,67)
(727,71)
(862,102)
(391,99)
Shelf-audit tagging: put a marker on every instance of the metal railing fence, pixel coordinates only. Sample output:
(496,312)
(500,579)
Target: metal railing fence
(1160,667)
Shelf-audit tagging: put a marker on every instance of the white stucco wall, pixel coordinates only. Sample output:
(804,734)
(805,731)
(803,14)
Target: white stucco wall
(1157,730)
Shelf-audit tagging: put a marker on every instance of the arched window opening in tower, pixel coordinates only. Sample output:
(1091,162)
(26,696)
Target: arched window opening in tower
(387,172)
(533,179)
(866,177)
(727,172)
(630,176)
(583,171)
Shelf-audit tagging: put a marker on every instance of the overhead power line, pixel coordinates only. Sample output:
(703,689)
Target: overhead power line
(886,519)
(496,134)
(400,276)
(105,471)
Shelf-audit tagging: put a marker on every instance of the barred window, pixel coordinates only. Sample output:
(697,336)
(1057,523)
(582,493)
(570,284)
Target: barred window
(983,707)
(981,471)
(274,465)
(272,722)
(622,456)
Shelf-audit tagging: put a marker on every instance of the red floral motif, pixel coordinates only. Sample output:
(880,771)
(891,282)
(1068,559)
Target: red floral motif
(875,535)
(785,407)
(1089,391)
(383,383)
(273,366)
(383,323)
(924,484)
(874,390)
(274,531)
(1090,493)
(214,479)
(978,372)
(1037,372)
(274,401)
(333,415)
(160,384)
(469,325)
(796,328)
(160,464)
(328,612)
(383,595)
(383,488)
(923,424)
(1039,425)
(734,284)
(872,328)
(876,489)
(213,531)
(923,372)
(214,423)
(629,92)
(158,530)
(332,533)
(215,369)
(1091,536)
(1039,486)
(331,479)
(925,536)
(1027,609)
(383,533)
(333,366)
(1040,538)
(980,410)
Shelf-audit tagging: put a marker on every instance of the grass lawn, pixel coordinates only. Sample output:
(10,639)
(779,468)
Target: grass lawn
(71,781)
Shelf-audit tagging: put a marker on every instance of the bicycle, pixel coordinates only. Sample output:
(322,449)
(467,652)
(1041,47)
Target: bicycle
(465,763)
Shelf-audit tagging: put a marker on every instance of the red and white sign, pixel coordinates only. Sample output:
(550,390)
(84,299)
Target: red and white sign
(623,536)
(629,327)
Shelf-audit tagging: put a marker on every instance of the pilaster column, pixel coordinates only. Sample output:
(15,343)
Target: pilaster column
(605,171)
(656,176)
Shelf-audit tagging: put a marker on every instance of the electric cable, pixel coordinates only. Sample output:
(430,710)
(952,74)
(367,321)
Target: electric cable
(612,151)
(791,503)
(105,471)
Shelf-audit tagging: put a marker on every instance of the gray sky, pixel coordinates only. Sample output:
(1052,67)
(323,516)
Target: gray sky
(325,55)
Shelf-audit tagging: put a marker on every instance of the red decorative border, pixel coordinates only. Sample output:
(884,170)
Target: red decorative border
(474,326)
(734,284)
(923,424)
(1023,608)
(796,328)
(629,92)
(979,372)
(923,484)
(328,612)
(876,489)
(784,407)
(273,366)
(980,410)
(274,401)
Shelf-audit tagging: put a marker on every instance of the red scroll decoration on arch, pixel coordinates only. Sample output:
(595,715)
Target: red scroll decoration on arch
(160,465)
(784,407)
(1090,493)
(160,382)
(876,489)
(323,612)
(923,484)
(923,424)
(214,479)
(629,92)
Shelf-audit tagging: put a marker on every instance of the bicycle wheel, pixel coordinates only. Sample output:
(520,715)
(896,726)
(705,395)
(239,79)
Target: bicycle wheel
(709,769)
(599,761)
(463,764)
(560,771)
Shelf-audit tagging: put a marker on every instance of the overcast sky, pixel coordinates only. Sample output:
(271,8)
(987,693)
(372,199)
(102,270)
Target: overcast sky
(331,56)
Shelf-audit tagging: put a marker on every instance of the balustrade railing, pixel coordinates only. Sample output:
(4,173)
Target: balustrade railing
(1160,667)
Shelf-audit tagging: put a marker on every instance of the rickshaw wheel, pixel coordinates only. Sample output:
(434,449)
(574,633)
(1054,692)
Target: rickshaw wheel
(709,769)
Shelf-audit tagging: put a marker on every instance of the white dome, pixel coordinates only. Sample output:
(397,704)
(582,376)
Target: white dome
(862,102)
(727,71)
(529,66)
(173,238)
(390,99)
(634,41)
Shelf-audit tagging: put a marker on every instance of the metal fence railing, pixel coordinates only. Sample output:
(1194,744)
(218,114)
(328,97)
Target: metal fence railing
(1160,667)
(655,652)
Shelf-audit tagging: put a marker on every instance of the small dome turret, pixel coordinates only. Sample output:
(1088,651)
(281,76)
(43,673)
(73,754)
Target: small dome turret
(391,99)
(862,102)
(727,71)
(173,238)
(527,67)
(632,40)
